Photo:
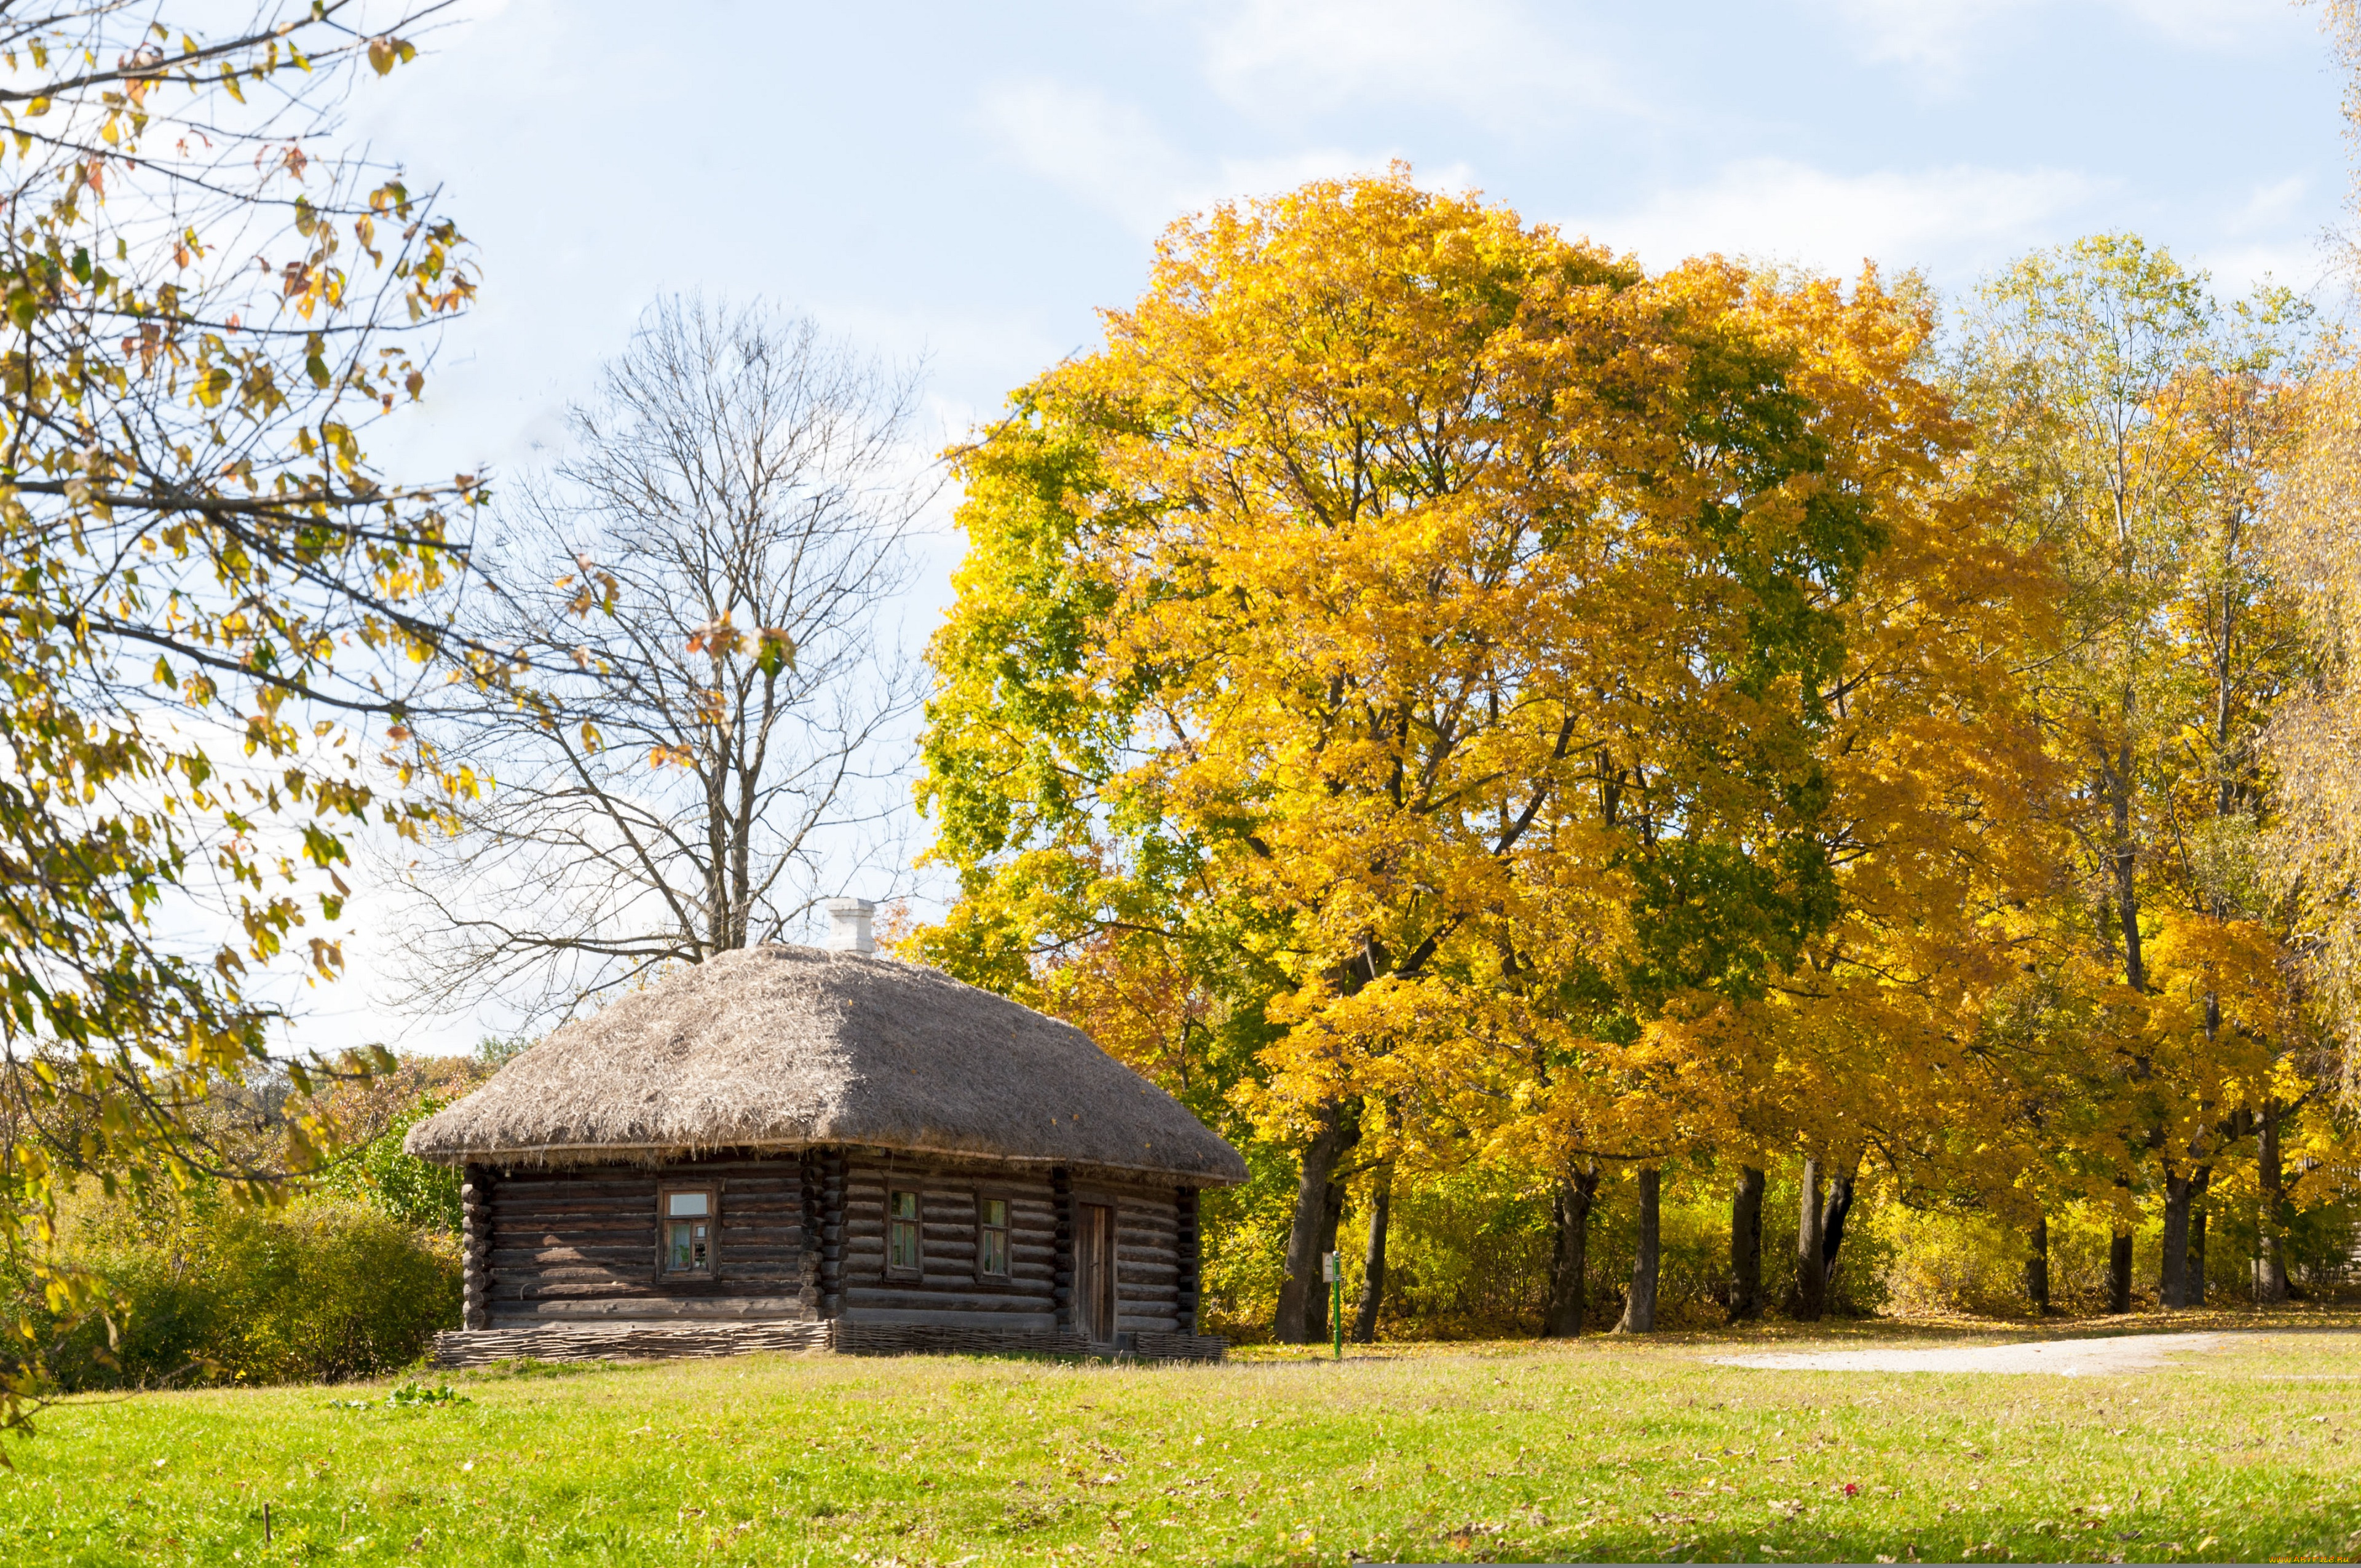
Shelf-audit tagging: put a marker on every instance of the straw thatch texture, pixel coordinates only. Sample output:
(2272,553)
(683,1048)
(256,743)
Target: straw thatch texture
(784,1046)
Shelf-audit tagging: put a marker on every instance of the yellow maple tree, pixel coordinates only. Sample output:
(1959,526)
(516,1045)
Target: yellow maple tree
(1436,615)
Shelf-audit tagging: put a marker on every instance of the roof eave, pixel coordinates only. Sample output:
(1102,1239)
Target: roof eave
(530,1154)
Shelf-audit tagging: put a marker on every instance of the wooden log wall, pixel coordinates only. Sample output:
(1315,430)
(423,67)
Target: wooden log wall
(945,1289)
(803,1237)
(1039,1294)
(582,1244)
(1061,1252)
(1186,1258)
(1147,1261)
(823,1189)
(475,1248)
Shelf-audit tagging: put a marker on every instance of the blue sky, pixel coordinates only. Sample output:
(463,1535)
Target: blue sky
(972,182)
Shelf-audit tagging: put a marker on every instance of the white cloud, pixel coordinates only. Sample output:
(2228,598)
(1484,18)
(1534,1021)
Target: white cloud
(1106,152)
(1768,209)
(1111,156)
(2271,206)
(2212,24)
(2238,270)
(1489,60)
(1939,36)
(1934,34)
(2265,238)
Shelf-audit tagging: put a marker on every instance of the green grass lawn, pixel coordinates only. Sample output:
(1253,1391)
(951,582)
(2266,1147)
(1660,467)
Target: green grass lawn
(1605,1449)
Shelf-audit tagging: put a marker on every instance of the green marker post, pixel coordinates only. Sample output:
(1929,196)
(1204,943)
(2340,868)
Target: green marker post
(1335,1300)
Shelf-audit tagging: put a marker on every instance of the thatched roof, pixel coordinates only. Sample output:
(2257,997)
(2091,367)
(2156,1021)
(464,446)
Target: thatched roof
(783,1047)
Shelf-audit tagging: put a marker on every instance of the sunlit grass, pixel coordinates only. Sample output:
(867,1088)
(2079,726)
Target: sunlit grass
(1606,1449)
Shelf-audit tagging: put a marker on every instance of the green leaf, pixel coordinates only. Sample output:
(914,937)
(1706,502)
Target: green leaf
(775,653)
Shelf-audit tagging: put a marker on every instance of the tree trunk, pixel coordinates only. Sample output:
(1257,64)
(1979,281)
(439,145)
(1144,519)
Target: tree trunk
(1640,1306)
(1570,1211)
(1302,1315)
(1746,1247)
(2036,1265)
(2194,1288)
(2172,1272)
(2270,1262)
(1833,1221)
(1810,1295)
(2123,860)
(1316,1302)
(2119,1263)
(1373,1262)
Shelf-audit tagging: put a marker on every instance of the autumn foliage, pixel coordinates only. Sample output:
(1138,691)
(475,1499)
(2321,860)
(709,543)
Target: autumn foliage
(1443,697)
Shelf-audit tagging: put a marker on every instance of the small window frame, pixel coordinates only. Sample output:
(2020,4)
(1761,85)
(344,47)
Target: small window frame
(916,1267)
(1007,1229)
(711,1192)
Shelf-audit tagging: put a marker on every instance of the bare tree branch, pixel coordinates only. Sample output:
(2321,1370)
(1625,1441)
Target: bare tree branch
(698,590)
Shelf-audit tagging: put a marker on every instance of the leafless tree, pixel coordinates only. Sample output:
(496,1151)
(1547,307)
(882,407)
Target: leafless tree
(711,742)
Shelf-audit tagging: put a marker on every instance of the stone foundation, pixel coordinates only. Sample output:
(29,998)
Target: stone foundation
(666,1340)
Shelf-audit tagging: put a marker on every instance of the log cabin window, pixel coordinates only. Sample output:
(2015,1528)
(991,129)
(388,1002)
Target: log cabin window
(688,1217)
(902,1232)
(992,1237)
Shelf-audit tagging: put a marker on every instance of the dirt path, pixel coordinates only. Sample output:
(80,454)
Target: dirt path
(2069,1358)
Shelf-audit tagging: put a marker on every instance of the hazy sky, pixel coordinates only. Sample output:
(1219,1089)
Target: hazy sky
(971,183)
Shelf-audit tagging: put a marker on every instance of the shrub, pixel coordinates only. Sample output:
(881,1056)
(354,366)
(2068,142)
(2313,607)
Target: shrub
(1469,1251)
(381,1173)
(1466,1257)
(1245,1241)
(208,1290)
(1945,1262)
(1969,1261)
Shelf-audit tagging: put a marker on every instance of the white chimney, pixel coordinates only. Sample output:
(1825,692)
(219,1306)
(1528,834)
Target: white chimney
(848,925)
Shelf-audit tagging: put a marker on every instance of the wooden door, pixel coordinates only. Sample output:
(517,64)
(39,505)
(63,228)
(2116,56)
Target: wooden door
(1095,1272)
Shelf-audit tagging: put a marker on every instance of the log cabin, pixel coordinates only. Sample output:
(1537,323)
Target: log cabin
(788,1147)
